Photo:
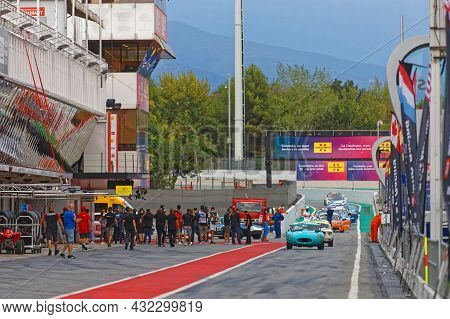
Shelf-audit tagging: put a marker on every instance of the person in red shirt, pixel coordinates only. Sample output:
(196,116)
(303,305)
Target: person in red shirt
(179,216)
(84,226)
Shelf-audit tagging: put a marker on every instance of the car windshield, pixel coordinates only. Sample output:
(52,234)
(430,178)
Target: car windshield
(301,227)
(325,226)
(250,207)
(336,217)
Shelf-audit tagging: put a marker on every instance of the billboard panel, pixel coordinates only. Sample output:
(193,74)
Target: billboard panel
(321,171)
(318,147)
(361,171)
(336,171)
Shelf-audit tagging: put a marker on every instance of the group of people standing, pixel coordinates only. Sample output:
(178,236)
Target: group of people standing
(131,227)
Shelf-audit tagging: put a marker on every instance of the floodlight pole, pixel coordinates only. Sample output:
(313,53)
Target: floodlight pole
(437,53)
(238,83)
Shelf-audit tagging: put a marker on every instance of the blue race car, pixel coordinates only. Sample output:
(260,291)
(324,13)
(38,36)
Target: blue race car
(305,234)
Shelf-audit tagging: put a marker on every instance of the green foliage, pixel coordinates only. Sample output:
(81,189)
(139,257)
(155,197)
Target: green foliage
(188,122)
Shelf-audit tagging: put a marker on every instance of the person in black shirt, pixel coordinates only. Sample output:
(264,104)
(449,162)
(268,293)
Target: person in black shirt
(248,225)
(147,220)
(140,226)
(110,223)
(50,220)
(172,227)
(129,224)
(161,221)
(235,224)
(226,224)
(188,227)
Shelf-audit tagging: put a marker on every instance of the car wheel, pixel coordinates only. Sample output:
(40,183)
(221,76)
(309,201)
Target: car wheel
(19,247)
(257,236)
(288,246)
(321,246)
(330,243)
(342,230)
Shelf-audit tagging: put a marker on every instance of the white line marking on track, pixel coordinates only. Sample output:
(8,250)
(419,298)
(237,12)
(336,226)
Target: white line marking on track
(354,284)
(168,294)
(144,274)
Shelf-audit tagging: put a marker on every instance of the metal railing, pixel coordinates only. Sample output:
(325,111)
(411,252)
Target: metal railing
(131,162)
(416,258)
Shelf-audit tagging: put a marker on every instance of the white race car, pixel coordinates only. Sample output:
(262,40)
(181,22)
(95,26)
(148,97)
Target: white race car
(326,229)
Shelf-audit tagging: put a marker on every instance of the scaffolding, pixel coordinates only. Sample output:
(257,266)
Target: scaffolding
(45,191)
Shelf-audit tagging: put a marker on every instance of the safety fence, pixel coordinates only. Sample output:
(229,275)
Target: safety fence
(422,263)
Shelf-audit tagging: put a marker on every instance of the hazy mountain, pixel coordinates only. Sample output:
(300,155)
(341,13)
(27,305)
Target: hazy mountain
(212,56)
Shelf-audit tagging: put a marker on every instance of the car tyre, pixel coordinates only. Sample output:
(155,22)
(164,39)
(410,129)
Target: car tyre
(19,247)
(321,246)
(342,230)
(288,246)
(256,237)
(330,243)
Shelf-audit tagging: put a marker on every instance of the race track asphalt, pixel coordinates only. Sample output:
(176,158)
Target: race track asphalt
(296,273)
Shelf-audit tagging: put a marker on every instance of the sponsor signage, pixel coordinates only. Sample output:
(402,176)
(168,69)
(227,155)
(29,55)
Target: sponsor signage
(336,171)
(142,93)
(161,24)
(124,190)
(324,148)
(32,11)
(113,146)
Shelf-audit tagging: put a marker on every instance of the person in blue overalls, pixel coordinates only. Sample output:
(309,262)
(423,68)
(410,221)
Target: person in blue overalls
(277,219)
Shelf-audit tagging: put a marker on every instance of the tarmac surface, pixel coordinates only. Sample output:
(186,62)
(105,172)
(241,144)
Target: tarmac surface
(281,273)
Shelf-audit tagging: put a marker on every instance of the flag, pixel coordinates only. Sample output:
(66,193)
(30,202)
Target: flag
(395,133)
(397,208)
(387,182)
(422,157)
(407,93)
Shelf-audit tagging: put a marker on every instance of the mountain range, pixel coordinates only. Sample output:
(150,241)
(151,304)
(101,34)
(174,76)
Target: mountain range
(211,57)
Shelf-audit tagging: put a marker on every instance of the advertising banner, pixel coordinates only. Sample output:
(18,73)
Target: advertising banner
(326,148)
(113,146)
(397,193)
(422,159)
(321,171)
(142,93)
(361,171)
(161,24)
(336,171)
(406,88)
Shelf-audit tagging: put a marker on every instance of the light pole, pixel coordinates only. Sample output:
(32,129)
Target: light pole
(238,84)
(379,123)
(229,121)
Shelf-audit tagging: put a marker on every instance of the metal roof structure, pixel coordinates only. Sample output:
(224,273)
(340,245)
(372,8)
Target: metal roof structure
(45,191)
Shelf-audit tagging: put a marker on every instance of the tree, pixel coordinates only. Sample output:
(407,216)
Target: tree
(181,128)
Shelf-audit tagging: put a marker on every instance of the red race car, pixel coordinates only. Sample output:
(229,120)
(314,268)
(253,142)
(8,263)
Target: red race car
(11,242)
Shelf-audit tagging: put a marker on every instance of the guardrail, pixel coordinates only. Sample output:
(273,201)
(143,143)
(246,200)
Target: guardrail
(416,258)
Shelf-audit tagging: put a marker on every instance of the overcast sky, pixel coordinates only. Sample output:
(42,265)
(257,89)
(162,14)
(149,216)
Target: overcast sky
(345,28)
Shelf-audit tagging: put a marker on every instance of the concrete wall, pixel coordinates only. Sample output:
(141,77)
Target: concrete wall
(318,194)
(221,199)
